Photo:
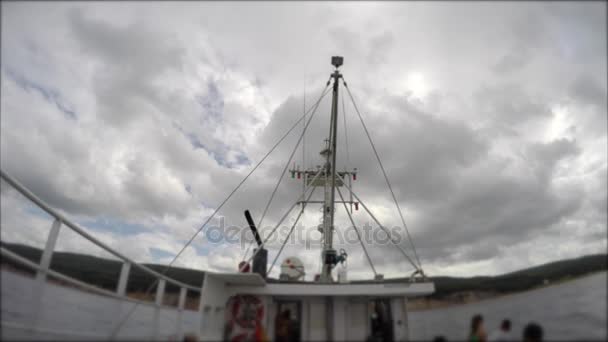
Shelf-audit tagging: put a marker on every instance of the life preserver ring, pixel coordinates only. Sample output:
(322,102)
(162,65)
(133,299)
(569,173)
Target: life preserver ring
(244,317)
(243,306)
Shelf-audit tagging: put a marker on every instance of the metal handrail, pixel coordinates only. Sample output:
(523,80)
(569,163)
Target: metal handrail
(98,290)
(28,194)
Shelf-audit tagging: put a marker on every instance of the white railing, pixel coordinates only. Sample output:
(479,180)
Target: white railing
(43,268)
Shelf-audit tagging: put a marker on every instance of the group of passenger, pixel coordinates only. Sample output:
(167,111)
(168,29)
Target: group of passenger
(532,332)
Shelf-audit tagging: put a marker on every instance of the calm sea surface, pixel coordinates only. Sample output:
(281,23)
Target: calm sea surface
(572,310)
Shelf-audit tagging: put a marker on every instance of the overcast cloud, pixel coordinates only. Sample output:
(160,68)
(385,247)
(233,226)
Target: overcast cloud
(137,119)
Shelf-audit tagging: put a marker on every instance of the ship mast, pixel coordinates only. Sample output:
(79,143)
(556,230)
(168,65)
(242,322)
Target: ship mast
(329,178)
(329,255)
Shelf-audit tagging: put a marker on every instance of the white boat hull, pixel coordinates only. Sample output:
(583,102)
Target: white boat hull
(63,313)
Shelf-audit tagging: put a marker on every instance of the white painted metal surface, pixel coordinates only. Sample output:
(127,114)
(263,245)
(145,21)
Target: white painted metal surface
(122,280)
(158,301)
(47,254)
(399,317)
(249,279)
(180,312)
(317,326)
(315,289)
(357,320)
(339,308)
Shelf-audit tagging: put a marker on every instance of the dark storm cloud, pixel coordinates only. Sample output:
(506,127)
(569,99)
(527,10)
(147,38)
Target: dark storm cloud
(510,105)
(423,156)
(527,36)
(379,47)
(512,61)
(543,157)
(587,90)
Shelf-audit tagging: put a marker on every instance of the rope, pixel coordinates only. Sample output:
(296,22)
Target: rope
(276,187)
(291,231)
(385,175)
(369,259)
(122,322)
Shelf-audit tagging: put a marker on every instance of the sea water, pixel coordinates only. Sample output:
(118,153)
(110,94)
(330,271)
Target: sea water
(573,310)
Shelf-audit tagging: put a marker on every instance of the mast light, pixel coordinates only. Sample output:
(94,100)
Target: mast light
(337,61)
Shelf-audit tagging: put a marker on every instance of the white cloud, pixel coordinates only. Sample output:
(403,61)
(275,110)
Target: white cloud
(110,114)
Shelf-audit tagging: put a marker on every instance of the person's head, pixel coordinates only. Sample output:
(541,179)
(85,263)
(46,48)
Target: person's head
(190,338)
(476,323)
(533,332)
(505,325)
(439,338)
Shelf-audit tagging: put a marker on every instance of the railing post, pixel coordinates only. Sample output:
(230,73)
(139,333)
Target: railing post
(180,311)
(45,260)
(45,263)
(124,278)
(160,292)
(158,300)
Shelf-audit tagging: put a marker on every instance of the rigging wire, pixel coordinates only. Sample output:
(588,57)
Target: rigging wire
(135,305)
(347,149)
(384,229)
(278,224)
(345,135)
(384,173)
(274,191)
(369,259)
(291,231)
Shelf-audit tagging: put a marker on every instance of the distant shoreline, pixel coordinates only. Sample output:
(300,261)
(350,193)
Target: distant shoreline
(425,303)
(414,304)
(449,291)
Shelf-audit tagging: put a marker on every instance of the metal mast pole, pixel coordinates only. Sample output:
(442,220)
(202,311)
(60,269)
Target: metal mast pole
(329,254)
(304,141)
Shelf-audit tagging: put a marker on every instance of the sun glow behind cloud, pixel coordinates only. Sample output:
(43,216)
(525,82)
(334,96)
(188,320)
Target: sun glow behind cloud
(417,83)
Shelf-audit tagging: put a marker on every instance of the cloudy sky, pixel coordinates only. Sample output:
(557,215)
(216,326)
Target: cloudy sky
(137,119)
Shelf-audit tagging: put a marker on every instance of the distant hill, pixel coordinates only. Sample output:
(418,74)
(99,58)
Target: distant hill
(100,271)
(104,273)
(523,279)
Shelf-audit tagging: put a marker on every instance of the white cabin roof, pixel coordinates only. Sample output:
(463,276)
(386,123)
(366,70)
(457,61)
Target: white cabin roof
(246,279)
(253,283)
